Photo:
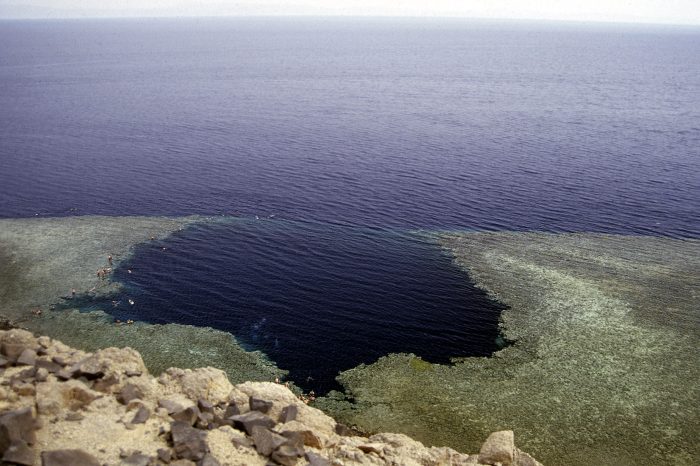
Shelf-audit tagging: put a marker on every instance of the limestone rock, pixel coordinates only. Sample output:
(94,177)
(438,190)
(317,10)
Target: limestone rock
(205,383)
(499,447)
(14,342)
(53,396)
(111,361)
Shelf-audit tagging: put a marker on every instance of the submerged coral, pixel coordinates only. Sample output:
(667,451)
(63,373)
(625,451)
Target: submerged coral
(49,261)
(603,365)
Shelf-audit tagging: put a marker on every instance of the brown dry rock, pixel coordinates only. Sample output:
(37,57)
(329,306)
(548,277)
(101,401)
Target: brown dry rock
(14,342)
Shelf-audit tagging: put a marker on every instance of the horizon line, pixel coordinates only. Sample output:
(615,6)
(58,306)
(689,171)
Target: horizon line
(340,16)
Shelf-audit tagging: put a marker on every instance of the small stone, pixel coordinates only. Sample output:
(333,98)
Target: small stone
(232,409)
(132,373)
(345,431)
(26,375)
(257,404)
(137,459)
(244,442)
(23,388)
(311,439)
(60,360)
(27,357)
(74,417)
(19,453)
(248,421)
(165,455)
(141,415)
(44,341)
(50,366)
(208,460)
(170,405)
(66,373)
(294,438)
(371,448)
(315,459)
(266,441)
(287,455)
(499,447)
(205,406)
(106,383)
(188,442)
(523,459)
(68,458)
(188,415)
(129,392)
(289,413)
(3,361)
(41,374)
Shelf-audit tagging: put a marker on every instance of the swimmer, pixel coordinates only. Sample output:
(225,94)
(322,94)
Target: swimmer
(128,270)
(72,292)
(131,301)
(109,259)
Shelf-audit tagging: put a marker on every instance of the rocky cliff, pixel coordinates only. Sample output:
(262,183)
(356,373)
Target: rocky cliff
(62,406)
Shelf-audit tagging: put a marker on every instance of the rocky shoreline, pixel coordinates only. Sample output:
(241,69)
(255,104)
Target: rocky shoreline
(63,406)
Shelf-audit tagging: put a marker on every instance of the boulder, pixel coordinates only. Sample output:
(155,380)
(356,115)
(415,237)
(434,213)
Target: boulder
(110,361)
(13,342)
(27,357)
(248,421)
(188,442)
(205,383)
(499,447)
(141,416)
(266,441)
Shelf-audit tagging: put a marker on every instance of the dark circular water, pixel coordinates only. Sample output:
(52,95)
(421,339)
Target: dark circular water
(315,298)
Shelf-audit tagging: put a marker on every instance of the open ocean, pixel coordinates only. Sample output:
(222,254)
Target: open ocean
(335,141)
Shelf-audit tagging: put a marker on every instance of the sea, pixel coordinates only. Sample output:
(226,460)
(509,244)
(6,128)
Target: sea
(335,147)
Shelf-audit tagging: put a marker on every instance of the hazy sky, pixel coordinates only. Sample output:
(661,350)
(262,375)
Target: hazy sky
(653,11)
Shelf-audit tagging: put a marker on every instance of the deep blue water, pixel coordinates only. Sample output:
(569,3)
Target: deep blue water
(316,299)
(350,133)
